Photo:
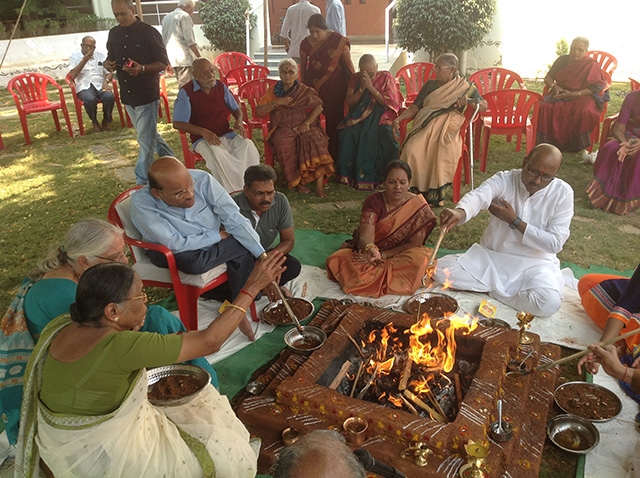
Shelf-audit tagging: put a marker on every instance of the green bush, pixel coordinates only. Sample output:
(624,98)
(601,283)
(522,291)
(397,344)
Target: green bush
(442,25)
(223,23)
(562,47)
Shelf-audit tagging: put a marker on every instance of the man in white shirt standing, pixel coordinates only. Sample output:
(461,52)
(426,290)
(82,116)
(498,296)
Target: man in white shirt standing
(93,82)
(179,40)
(294,27)
(515,262)
(336,20)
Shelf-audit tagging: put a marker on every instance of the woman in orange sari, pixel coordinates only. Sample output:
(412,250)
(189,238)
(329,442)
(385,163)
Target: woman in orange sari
(326,66)
(386,254)
(299,142)
(571,109)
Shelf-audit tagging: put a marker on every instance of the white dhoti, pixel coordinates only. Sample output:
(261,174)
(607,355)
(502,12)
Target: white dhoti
(523,283)
(228,161)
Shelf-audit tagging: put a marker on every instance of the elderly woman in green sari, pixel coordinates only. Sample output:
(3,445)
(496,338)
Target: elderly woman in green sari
(366,142)
(85,410)
(433,146)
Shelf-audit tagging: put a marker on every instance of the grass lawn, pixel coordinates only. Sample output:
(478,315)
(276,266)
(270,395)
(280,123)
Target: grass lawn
(49,185)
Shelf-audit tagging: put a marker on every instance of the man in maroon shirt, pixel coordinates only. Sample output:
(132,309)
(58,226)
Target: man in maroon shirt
(202,109)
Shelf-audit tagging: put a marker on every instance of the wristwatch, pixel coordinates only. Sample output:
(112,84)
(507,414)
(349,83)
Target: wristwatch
(262,256)
(144,68)
(516,222)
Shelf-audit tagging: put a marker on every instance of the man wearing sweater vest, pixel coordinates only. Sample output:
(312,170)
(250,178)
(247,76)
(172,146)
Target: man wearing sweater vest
(202,109)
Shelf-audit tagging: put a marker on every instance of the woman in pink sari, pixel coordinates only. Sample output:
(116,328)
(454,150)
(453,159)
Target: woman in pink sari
(571,109)
(386,254)
(326,66)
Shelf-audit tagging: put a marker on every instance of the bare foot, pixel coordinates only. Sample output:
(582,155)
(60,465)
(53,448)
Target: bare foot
(105,125)
(97,128)
(245,328)
(302,190)
(320,188)
(286,292)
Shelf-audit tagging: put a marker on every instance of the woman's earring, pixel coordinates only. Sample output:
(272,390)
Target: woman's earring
(115,319)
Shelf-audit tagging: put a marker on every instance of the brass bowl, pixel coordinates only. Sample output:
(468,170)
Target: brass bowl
(573,434)
(592,386)
(155,374)
(493,322)
(314,336)
(272,305)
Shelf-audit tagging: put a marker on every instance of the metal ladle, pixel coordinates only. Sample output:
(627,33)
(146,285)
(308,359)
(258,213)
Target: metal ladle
(289,311)
(500,429)
(522,368)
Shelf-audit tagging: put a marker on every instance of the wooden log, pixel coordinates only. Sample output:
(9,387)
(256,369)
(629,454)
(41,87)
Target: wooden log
(369,382)
(435,402)
(338,378)
(435,415)
(329,325)
(352,340)
(456,381)
(406,373)
(407,404)
(355,381)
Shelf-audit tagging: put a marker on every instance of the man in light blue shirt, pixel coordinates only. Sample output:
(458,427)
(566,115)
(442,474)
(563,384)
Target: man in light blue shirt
(184,209)
(336,20)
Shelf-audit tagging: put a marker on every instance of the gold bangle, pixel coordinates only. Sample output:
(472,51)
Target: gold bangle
(244,311)
(371,245)
(273,105)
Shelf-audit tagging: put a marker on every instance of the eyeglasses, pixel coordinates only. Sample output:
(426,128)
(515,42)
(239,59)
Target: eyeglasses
(183,192)
(536,174)
(114,258)
(288,72)
(264,194)
(143,297)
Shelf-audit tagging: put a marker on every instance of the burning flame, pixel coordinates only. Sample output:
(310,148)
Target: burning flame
(447,282)
(396,401)
(443,354)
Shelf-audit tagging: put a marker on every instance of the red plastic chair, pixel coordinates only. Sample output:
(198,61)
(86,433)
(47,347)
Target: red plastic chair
(242,74)
(607,61)
(228,61)
(414,75)
(509,112)
(463,162)
(252,91)
(1,143)
(152,276)
(635,85)
(29,91)
(190,156)
(78,102)
(492,79)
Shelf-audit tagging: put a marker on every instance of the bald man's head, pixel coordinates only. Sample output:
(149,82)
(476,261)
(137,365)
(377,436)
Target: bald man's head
(540,167)
(170,181)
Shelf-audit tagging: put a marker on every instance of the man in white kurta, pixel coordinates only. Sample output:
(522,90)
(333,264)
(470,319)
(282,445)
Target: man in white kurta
(179,40)
(515,262)
(336,18)
(294,27)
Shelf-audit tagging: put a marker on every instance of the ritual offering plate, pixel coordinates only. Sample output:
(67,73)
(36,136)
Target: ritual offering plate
(573,434)
(494,323)
(434,304)
(312,339)
(176,384)
(588,400)
(276,314)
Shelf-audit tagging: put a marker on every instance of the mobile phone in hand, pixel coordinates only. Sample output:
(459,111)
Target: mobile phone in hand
(129,64)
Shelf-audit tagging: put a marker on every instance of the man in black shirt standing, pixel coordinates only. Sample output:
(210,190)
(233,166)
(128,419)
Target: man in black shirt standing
(136,52)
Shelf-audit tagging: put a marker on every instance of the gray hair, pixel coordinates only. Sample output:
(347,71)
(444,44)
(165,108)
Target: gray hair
(324,447)
(449,60)
(367,59)
(582,40)
(186,3)
(89,238)
(287,61)
(129,3)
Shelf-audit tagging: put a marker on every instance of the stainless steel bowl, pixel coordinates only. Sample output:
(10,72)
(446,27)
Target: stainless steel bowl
(422,297)
(278,303)
(586,386)
(155,374)
(493,322)
(314,336)
(573,434)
